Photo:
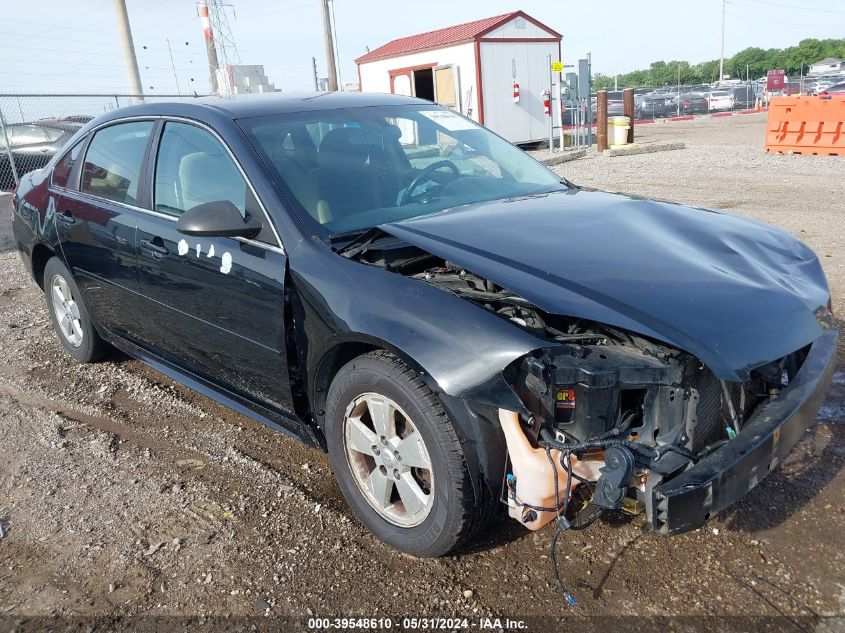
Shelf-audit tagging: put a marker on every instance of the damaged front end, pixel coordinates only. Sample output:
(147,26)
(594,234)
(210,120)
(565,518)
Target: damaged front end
(615,420)
(659,411)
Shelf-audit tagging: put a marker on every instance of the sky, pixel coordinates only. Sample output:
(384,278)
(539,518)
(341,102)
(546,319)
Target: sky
(73,46)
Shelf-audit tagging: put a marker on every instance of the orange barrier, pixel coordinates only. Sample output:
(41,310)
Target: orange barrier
(806,125)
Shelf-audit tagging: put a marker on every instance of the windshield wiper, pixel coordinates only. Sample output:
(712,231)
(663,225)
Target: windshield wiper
(358,244)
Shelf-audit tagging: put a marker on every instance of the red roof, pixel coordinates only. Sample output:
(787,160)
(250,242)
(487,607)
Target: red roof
(466,32)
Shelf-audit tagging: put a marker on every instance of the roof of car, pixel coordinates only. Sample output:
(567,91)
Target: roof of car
(251,105)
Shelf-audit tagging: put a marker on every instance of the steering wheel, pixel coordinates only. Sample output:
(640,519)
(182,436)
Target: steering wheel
(424,175)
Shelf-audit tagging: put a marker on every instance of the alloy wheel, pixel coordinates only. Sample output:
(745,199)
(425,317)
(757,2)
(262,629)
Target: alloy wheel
(388,459)
(66,310)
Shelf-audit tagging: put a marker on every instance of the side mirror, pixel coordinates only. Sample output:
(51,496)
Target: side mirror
(219,218)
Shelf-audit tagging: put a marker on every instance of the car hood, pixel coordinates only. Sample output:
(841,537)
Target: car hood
(733,292)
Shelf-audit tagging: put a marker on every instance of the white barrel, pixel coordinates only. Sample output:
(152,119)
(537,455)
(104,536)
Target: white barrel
(617,130)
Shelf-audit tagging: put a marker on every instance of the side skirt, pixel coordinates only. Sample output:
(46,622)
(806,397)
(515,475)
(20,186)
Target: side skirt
(287,423)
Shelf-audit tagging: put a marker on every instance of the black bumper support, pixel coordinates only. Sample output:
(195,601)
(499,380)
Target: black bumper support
(685,502)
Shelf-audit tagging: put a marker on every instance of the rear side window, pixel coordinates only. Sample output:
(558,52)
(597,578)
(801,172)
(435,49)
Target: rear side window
(112,167)
(63,169)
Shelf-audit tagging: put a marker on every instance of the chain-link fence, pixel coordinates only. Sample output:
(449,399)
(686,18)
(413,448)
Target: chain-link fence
(670,101)
(34,127)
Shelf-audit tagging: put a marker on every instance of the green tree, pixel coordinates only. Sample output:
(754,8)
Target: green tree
(602,82)
(752,61)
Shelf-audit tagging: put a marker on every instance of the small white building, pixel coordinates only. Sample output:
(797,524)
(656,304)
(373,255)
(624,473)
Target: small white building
(243,79)
(474,68)
(827,66)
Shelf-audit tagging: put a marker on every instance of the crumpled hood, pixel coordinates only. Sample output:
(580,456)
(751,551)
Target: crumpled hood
(733,292)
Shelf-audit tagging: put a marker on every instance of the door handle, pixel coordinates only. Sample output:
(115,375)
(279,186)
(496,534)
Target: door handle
(66,218)
(155,247)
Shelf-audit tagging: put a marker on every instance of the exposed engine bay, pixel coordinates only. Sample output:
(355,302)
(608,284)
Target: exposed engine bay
(611,412)
(613,421)
(629,411)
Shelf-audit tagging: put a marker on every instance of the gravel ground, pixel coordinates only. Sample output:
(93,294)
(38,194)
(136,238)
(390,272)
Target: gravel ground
(125,494)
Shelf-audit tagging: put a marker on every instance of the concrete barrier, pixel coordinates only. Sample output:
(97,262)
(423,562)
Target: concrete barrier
(806,125)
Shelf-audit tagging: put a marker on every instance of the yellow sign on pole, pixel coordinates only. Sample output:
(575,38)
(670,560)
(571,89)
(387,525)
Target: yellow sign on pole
(557,67)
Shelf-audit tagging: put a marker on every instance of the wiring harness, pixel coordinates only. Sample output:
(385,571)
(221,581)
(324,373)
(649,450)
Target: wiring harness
(608,441)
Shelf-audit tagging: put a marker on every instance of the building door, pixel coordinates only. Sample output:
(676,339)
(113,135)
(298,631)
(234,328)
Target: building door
(446,89)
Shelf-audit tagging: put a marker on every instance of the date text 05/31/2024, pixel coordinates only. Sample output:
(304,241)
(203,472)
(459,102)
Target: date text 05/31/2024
(416,624)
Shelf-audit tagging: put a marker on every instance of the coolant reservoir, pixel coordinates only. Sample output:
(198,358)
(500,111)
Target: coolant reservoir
(535,483)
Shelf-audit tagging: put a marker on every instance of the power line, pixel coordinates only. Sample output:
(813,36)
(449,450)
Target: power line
(792,6)
(75,63)
(758,19)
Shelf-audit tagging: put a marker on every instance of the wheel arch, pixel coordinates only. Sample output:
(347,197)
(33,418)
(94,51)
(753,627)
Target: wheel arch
(344,350)
(41,254)
(475,422)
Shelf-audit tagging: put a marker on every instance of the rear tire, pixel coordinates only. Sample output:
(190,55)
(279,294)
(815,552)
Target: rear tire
(69,316)
(432,462)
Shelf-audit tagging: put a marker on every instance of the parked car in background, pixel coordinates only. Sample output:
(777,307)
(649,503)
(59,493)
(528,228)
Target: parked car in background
(745,96)
(838,89)
(654,105)
(720,100)
(615,104)
(31,146)
(690,103)
(702,88)
(343,267)
(61,120)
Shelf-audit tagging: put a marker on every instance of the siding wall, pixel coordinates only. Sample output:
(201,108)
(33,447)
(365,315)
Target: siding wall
(375,75)
(521,122)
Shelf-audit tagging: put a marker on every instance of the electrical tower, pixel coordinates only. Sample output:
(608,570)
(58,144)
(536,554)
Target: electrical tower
(224,41)
(219,41)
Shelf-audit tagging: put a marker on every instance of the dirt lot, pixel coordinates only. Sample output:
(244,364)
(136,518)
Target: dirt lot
(124,494)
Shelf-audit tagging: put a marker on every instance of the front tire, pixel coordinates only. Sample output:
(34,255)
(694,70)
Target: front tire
(397,457)
(69,316)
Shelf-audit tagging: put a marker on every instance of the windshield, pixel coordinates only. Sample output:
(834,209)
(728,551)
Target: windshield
(355,168)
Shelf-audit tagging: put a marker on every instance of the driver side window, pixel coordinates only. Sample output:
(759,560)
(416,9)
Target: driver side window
(192,168)
(424,144)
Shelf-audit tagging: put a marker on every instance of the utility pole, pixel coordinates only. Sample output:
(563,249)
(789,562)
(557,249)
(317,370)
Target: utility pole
(336,47)
(722,56)
(128,48)
(327,35)
(209,44)
(679,88)
(316,81)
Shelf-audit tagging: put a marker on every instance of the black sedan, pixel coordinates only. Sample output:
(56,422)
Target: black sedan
(454,323)
(690,103)
(652,106)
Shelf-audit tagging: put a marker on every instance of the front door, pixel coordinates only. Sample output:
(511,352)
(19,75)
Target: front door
(96,209)
(213,305)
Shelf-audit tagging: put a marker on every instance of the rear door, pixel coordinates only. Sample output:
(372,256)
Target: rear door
(98,188)
(214,306)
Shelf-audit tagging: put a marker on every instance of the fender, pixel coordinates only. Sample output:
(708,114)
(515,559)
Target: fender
(460,348)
